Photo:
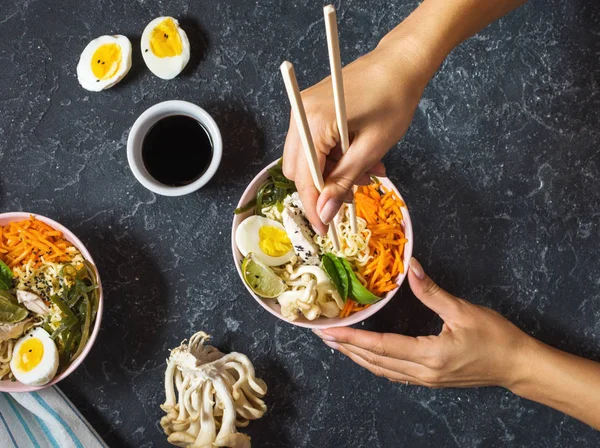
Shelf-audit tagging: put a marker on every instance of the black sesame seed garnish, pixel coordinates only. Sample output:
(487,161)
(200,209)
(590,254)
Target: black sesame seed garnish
(98,61)
(30,350)
(103,63)
(146,51)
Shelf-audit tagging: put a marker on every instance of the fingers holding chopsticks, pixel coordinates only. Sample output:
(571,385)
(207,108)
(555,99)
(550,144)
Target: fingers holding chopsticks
(349,170)
(378,105)
(308,192)
(312,158)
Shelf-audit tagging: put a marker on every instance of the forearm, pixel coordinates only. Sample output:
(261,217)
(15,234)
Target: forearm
(560,380)
(436,27)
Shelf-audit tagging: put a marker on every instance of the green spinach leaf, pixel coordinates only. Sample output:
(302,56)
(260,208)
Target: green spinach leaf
(6,276)
(357,291)
(10,312)
(337,273)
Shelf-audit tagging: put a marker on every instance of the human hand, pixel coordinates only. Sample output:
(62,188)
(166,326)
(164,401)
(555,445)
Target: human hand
(476,347)
(382,90)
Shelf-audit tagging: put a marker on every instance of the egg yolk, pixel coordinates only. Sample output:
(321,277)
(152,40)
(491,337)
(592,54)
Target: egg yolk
(164,40)
(30,354)
(106,61)
(274,241)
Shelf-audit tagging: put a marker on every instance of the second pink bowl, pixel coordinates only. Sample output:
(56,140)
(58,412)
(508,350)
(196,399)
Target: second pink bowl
(16,386)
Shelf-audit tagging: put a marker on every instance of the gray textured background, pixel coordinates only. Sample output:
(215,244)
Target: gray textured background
(500,170)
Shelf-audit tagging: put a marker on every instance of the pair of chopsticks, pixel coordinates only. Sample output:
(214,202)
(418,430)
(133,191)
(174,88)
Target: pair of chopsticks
(293,92)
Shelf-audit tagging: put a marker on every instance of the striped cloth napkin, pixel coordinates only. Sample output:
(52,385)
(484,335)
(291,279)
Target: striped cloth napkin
(45,418)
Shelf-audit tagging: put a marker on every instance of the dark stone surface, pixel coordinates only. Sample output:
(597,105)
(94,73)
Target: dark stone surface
(500,170)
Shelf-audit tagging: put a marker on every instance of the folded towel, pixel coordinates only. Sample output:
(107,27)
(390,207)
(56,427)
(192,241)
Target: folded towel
(45,418)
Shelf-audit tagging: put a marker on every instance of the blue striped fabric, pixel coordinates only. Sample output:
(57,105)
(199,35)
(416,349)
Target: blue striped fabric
(17,413)
(44,419)
(12,438)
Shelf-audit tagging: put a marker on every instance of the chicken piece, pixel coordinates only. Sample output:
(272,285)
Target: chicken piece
(13,331)
(33,302)
(300,234)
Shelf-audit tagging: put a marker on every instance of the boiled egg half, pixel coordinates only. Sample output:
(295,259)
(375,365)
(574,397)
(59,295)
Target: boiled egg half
(266,239)
(165,47)
(35,358)
(104,62)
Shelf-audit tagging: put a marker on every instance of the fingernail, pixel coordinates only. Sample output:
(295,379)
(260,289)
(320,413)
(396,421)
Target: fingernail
(332,345)
(324,336)
(417,269)
(329,211)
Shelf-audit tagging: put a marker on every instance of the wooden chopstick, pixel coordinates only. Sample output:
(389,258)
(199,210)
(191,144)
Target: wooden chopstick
(293,92)
(335,63)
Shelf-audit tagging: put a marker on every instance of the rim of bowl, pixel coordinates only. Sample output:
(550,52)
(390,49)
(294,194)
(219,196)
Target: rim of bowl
(151,116)
(16,386)
(321,322)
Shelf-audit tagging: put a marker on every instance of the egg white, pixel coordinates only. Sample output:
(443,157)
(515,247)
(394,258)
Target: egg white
(86,77)
(46,368)
(248,240)
(166,67)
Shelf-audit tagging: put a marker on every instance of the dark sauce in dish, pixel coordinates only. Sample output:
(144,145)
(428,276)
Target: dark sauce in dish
(177,150)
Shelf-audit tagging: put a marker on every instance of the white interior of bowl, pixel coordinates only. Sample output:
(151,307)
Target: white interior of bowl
(322,322)
(16,386)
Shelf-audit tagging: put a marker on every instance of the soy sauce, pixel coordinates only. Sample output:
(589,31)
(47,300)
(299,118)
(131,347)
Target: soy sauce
(177,150)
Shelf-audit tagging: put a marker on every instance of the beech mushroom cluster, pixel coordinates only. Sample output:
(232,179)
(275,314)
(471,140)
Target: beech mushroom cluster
(208,395)
(312,294)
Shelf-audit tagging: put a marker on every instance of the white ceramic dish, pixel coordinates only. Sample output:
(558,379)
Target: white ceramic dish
(322,322)
(141,127)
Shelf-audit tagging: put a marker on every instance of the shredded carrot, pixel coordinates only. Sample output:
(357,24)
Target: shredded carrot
(381,208)
(32,241)
(347,308)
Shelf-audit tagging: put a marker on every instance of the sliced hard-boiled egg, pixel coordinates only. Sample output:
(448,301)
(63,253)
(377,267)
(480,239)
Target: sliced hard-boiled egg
(165,47)
(266,239)
(104,62)
(35,358)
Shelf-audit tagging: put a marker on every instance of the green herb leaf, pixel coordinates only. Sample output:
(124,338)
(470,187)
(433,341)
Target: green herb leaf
(329,268)
(357,291)
(6,276)
(10,312)
(337,273)
(9,297)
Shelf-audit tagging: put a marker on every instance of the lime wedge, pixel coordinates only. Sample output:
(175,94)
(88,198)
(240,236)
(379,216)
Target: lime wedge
(261,279)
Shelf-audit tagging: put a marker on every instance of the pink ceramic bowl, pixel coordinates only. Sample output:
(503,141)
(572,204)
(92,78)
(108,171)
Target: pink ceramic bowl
(16,386)
(273,307)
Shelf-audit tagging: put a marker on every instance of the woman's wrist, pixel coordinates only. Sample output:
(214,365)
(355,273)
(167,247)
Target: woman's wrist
(403,55)
(436,27)
(419,41)
(521,368)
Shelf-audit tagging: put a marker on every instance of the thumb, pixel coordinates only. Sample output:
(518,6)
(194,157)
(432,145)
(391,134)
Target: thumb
(429,293)
(339,183)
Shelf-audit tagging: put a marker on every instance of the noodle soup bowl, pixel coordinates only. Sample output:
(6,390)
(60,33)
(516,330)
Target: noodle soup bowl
(273,307)
(16,386)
